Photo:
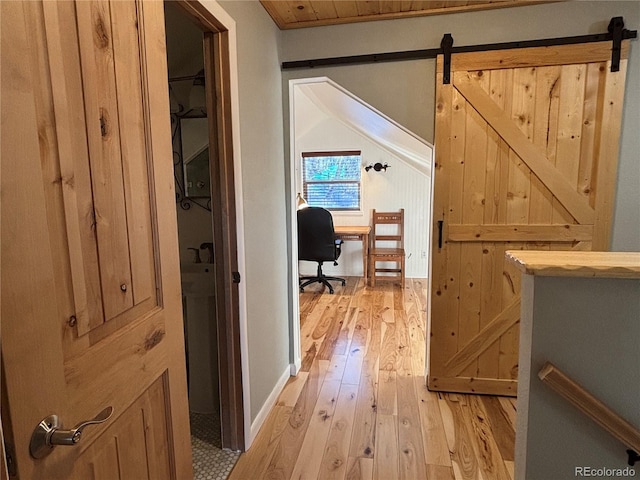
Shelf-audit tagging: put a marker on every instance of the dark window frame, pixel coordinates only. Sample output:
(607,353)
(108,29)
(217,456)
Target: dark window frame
(340,153)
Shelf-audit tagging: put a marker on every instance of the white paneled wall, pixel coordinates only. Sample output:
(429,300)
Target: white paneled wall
(401,186)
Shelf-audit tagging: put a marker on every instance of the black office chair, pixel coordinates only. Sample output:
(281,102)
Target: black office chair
(317,243)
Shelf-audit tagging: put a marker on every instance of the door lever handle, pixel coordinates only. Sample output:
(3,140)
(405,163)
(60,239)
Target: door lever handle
(50,433)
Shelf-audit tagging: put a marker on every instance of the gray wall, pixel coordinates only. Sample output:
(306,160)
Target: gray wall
(588,328)
(264,199)
(405,90)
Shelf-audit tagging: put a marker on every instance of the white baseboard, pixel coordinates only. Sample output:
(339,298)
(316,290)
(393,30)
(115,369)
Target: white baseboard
(296,366)
(268,404)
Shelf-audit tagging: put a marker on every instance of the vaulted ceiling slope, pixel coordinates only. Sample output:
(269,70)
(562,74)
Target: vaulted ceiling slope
(356,114)
(315,13)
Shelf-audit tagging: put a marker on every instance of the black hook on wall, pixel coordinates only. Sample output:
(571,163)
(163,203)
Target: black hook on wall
(377,167)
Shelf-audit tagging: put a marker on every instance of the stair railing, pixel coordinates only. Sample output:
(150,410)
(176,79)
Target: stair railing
(593,408)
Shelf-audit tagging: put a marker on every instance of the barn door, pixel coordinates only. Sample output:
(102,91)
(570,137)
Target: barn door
(91,309)
(526,158)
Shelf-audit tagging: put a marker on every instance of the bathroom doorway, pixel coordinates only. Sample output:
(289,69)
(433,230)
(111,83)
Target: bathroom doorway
(198,74)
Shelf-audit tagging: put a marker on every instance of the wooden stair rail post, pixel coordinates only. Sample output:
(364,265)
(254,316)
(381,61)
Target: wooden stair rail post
(592,408)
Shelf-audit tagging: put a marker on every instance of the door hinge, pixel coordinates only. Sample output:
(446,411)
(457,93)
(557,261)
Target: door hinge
(236,277)
(10,456)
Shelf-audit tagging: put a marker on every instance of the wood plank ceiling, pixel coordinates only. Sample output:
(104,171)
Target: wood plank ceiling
(314,13)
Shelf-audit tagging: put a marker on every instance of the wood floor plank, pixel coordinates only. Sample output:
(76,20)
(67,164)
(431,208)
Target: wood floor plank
(387,313)
(420,287)
(331,337)
(360,469)
(404,364)
(362,295)
(433,435)
(308,357)
(387,393)
(289,395)
(501,427)
(253,463)
(510,469)
(463,458)
(355,358)
(312,319)
(336,453)
(326,320)
(439,472)
(389,348)
(398,297)
(337,365)
(416,332)
(346,333)
(383,305)
(286,451)
(363,437)
(487,452)
(385,463)
(308,305)
(309,460)
(509,408)
(410,443)
(350,287)
(358,346)
(361,390)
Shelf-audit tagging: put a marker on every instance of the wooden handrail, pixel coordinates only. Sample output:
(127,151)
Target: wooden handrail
(591,406)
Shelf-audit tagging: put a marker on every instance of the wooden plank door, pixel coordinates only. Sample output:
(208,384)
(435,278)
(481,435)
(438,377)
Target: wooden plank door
(91,302)
(526,158)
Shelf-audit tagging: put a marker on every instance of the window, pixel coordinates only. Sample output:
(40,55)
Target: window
(332,179)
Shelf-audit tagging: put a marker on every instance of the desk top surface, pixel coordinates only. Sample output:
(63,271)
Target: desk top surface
(352,229)
(576,264)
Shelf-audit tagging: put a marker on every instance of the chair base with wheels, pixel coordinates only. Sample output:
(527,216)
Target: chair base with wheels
(320,278)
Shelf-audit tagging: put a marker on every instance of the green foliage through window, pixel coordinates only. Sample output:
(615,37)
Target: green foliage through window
(332,180)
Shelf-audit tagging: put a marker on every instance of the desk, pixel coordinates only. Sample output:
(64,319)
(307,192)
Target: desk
(356,232)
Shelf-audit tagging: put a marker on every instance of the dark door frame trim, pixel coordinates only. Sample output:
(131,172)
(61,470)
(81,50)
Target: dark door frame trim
(223,212)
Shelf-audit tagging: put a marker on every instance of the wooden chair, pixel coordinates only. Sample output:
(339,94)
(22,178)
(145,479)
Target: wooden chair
(385,253)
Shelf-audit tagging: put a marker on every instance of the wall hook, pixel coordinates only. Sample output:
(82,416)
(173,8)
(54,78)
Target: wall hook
(377,167)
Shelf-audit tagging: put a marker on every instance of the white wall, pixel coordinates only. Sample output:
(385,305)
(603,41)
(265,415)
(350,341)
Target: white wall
(405,91)
(401,186)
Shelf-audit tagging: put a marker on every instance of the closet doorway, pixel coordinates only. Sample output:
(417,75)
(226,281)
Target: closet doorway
(199,88)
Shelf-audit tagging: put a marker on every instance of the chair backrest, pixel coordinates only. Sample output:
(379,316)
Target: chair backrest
(316,237)
(387,218)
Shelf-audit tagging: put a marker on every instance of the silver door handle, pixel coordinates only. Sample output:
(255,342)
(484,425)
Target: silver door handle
(50,433)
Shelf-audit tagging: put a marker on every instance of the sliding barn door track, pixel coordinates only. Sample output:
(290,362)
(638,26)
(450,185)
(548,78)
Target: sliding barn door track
(616,33)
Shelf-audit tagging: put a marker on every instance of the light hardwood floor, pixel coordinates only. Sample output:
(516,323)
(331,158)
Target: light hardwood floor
(359,409)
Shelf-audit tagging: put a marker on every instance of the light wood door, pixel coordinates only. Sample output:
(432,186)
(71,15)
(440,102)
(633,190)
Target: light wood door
(526,158)
(91,302)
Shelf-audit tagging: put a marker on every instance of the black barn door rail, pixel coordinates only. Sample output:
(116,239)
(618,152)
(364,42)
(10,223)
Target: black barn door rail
(616,34)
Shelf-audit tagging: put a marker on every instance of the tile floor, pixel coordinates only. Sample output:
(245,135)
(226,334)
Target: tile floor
(210,462)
